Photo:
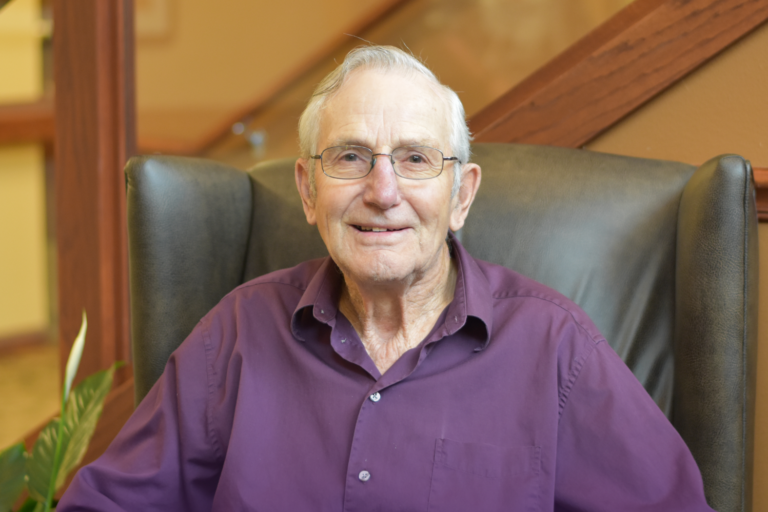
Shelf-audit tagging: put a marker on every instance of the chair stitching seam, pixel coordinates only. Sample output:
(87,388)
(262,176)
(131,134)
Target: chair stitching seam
(745,334)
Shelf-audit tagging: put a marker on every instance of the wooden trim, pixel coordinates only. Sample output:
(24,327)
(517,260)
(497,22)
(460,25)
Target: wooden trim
(382,11)
(24,341)
(27,122)
(94,137)
(761,186)
(628,60)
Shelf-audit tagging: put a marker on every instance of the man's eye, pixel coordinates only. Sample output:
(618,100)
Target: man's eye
(350,157)
(415,159)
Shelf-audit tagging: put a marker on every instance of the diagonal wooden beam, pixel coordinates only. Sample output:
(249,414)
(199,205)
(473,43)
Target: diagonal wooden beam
(628,60)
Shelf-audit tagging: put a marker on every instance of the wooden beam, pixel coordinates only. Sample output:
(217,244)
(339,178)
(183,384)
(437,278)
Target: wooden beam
(761,186)
(27,122)
(628,60)
(23,342)
(95,134)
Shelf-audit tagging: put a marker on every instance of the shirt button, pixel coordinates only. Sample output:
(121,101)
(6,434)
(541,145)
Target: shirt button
(364,476)
(375,397)
(343,340)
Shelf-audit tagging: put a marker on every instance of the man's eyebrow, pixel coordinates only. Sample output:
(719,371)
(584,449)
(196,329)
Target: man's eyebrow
(434,143)
(349,142)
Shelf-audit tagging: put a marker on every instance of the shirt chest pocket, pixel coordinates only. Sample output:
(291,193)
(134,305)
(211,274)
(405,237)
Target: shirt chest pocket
(471,476)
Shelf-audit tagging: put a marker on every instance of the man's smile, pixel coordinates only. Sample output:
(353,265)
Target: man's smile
(375,229)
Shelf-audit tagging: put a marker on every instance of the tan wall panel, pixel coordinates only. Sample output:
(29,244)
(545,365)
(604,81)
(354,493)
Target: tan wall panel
(761,414)
(21,56)
(720,108)
(221,55)
(23,254)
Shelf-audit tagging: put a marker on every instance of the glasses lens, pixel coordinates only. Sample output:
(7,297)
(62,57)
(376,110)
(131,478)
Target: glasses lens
(346,162)
(418,162)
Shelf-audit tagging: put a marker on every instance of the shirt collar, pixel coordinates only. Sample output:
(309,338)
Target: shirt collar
(472,297)
(320,299)
(471,300)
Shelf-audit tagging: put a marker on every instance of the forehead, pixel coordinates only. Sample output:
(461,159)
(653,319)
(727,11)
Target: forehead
(378,108)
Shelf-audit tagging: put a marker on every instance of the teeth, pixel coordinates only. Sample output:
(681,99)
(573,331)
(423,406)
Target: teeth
(376,230)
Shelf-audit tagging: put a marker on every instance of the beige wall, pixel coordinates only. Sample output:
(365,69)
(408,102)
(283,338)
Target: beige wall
(720,108)
(23,276)
(199,63)
(212,55)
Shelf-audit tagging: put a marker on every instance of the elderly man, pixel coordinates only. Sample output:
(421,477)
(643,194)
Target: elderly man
(399,373)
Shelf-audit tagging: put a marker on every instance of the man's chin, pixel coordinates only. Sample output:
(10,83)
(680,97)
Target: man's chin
(372,273)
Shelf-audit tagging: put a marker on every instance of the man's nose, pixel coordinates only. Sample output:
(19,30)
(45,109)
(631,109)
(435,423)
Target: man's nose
(381,183)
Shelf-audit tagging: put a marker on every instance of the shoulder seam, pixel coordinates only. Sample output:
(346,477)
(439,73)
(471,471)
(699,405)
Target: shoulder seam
(573,376)
(595,339)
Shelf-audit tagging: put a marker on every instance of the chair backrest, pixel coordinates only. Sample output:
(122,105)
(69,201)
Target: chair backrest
(661,255)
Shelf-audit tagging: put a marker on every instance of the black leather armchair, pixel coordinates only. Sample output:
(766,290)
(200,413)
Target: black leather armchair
(662,256)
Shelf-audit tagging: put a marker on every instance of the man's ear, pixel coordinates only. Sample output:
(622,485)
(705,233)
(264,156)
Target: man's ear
(470,182)
(303,183)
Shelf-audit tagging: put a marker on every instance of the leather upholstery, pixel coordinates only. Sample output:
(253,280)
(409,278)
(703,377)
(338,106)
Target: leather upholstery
(187,239)
(716,326)
(661,255)
(285,239)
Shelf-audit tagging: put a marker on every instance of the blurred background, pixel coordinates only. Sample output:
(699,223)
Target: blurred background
(226,80)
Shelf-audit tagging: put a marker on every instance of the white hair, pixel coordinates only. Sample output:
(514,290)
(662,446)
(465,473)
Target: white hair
(385,58)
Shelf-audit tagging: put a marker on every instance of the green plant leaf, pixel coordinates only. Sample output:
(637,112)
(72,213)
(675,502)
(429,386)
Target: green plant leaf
(31,505)
(12,463)
(75,354)
(80,417)
(40,461)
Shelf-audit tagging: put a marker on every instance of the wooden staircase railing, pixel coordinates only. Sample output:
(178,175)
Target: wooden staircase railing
(641,51)
(634,56)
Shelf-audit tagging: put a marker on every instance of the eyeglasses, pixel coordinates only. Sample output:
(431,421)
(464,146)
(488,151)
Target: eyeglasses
(354,162)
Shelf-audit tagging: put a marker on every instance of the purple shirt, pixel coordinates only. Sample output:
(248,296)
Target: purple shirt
(514,402)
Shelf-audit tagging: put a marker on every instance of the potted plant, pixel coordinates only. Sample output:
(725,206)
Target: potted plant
(61,445)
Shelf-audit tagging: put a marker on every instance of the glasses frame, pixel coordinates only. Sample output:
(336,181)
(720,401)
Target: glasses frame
(391,160)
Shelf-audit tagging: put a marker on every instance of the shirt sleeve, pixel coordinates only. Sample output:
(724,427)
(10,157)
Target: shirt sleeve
(617,450)
(165,457)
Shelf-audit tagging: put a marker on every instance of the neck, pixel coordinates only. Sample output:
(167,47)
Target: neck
(392,318)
